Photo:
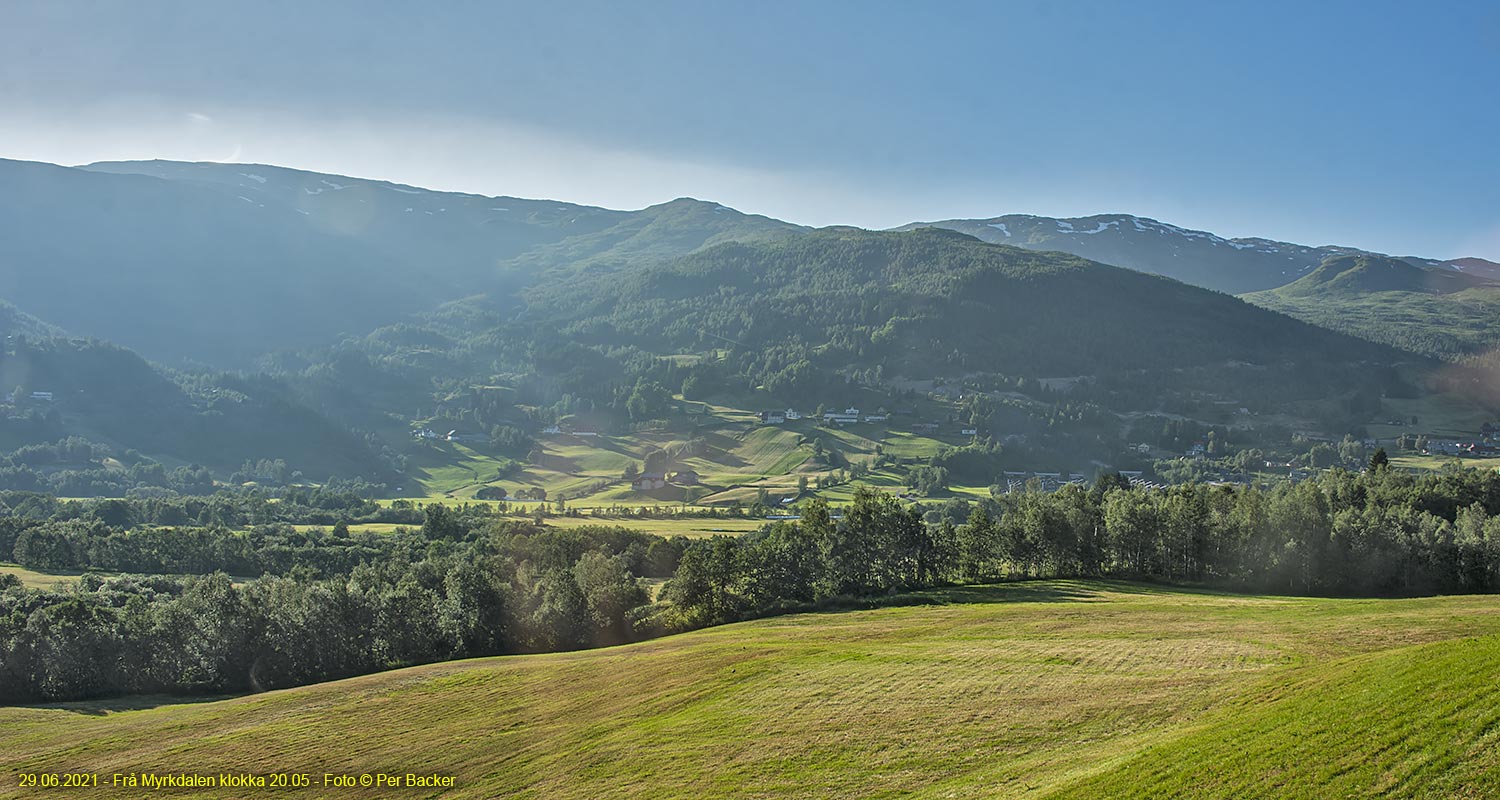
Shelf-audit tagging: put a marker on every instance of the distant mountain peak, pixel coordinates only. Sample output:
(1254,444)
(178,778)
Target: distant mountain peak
(1151,245)
(1479,267)
(1354,274)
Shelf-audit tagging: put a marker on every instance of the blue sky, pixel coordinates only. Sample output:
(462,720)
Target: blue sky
(1369,124)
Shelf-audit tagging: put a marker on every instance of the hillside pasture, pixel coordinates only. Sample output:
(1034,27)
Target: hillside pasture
(1443,415)
(736,457)
(1034,689)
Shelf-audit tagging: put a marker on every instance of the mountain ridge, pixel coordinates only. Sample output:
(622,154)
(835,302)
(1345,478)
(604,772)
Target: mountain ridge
(206,263)
(1232,265)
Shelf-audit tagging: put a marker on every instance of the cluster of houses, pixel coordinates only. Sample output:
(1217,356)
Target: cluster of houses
(558,430)
(848,416)
(429,434)
(649,481)
(1049,481)
(1486,446)
(1136,479)
(1451,447)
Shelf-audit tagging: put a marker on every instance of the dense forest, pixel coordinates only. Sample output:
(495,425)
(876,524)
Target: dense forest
(344,608)
(317,604)
(927,301)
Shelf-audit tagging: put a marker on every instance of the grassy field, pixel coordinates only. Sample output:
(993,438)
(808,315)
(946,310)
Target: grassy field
(1038,689)
(739,457)
(1437,415)
(38,580)
(360,527)
(1412,722)
(691,528)
(1436,463)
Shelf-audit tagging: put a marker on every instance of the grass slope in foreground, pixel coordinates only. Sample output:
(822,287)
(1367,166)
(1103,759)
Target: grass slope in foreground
(1031,689)
(1415,721)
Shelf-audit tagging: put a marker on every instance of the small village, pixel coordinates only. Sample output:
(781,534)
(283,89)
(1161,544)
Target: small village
(588,462)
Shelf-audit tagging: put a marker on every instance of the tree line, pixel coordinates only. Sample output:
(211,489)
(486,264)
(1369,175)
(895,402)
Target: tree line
(464,585)
(1377,533)
(509,588)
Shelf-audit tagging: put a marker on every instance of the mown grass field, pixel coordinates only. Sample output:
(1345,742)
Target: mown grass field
(1037,689)
(38,580)
(687,526)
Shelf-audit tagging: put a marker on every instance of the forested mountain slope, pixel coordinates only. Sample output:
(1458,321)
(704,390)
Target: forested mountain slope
(221,263)
(928,300)
(15,322)
(179,270)
(110,396)
(470,243)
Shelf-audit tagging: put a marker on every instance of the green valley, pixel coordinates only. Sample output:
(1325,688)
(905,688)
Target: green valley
(569,400)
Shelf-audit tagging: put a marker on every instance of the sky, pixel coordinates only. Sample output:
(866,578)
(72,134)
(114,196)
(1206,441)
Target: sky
(1369,124)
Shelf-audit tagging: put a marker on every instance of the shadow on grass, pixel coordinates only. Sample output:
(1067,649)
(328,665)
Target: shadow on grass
(1025,591)
(61,575)
(114,705)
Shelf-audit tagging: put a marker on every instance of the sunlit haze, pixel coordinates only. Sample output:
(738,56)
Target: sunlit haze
(1366,124)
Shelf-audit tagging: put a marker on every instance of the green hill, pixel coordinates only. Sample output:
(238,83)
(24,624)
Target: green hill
(1437,312)
(924,302)
(1361,273)
(658,233)
(1032,689)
